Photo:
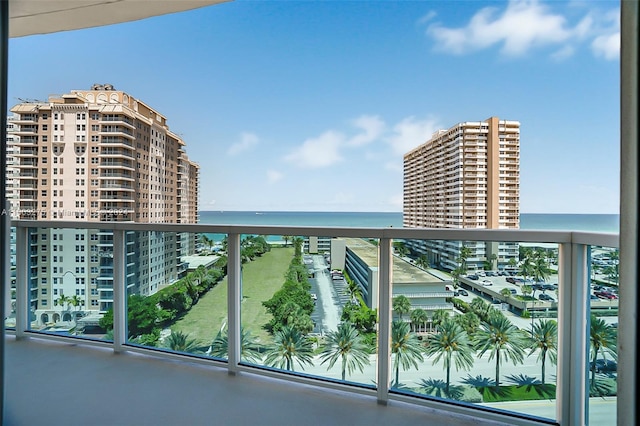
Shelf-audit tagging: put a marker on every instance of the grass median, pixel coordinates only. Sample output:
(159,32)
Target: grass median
(260,279)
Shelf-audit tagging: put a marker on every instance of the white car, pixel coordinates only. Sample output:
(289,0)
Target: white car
(486,283)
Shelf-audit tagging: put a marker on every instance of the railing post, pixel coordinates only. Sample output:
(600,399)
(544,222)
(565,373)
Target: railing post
(573,342)
(119,291)
(384,319)
(23,305)
(234,295)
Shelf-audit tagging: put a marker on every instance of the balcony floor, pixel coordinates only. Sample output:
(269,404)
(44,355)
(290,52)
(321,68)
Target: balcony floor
(52,383)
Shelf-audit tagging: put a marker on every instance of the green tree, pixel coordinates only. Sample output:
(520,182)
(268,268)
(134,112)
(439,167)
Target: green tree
(465,253)
(469,321)
(419,319)
(400,248)
(540,271)
(181,342)
(249,348)
(208,241)
(602,339)
(438,317)
(286,239)
(544,339)
(502,339)
(401,305)
(422,261)
(76,301)
(362,317)
(405,347)
(345,344)
(62,300)
(450,343)
(506,293)
(289,346)
(526,267)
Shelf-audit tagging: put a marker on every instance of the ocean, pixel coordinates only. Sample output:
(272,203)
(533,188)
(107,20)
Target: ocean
(535,221)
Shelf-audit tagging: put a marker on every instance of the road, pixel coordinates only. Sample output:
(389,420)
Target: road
(328,308)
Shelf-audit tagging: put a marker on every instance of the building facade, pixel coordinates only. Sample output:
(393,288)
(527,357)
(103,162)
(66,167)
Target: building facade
(99,155)
(465,177)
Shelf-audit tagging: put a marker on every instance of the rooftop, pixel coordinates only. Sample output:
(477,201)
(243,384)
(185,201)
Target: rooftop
(403,271)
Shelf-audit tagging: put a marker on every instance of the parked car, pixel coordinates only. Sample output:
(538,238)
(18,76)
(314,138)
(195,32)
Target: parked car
(511,280)
(546,297)
(473,277)
(513,291)
(463,292)
(486,283)
(594,297)
(605,295)
(550,286)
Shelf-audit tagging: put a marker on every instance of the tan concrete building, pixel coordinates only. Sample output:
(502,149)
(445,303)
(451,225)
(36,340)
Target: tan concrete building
(465,177)
(100,155)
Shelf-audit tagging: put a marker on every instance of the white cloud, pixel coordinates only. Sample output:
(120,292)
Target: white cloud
(372,127)
(409,133)
(524,25)
(247,141)
(274,176)
(323,151)
(607,44)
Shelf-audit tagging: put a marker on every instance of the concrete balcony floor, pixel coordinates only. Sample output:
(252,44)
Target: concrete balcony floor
(53,383)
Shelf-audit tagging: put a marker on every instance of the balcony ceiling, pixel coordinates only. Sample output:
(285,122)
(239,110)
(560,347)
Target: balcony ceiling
(28,17)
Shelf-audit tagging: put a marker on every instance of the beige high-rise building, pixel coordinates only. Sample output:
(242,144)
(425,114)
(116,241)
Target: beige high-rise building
(99,155)
(465,177)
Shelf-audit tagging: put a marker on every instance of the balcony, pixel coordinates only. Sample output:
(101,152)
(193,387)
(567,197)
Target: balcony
(139,371)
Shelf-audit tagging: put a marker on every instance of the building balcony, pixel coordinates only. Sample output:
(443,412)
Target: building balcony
(90,355)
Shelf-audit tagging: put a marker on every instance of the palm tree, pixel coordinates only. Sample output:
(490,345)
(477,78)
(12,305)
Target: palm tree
(465,253)
(602,338)
(419,318)
(449,342)
(249,348)
(76,301)
(439,317)
(347,345)
(406,348)
(180,342)
(540,270)
(286,239)
(544,338)
(469,321)
(526,268)
(401,305)
(400,248)
(500,337)
(208,241)
(289,345)
(422,261)
(62,300)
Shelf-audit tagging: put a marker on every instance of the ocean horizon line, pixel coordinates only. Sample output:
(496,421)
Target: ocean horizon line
(380,212)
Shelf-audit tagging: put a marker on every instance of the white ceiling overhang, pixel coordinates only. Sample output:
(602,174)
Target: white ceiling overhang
(28,17)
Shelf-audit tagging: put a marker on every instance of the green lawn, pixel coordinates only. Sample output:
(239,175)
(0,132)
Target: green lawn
(518,393)
(260,279)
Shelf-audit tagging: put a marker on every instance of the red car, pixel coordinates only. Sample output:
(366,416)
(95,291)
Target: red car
(605,295)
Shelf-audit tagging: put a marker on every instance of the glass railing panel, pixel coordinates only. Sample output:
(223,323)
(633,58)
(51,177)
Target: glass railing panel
(308,306)
(603,334)
(177,299)
(475,323)
(63,267)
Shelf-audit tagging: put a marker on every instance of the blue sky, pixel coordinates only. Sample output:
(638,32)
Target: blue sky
(309,106)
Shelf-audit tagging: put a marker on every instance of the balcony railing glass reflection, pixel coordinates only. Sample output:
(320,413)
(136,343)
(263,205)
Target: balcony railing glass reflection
(360,276)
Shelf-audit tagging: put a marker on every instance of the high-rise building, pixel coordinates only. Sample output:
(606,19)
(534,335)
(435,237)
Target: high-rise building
(465,177)
(99,155)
